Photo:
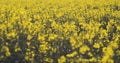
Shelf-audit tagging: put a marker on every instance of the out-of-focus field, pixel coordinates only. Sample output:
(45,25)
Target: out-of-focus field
(59,31)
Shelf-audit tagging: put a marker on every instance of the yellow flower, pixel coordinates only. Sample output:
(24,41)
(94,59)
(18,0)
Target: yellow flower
(114,45)
(72,41)
(72,54)
(62,59)
(118,27)
(17,49)
(105,59)
(93,59)
(26,57)
(59,14)
(104,49)
(96,45)
(41,38)
(90,54)
(12,34)
(6,43)
(7,53)
(54,49)
(28,49)
(52,36)
(29,37)
(48,60)
(83,49)
(28,43)
(43,47)
(5,48)
(109,51)
(33,54)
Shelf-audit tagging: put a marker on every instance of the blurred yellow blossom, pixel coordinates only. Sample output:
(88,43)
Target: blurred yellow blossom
(83,49)
(29,37)
(62,59)
(72,54)
(96,45)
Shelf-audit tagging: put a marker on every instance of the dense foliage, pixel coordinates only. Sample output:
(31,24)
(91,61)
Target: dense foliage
(59,31)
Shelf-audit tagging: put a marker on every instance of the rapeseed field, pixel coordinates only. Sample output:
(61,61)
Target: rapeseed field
(59,31)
